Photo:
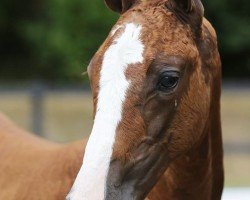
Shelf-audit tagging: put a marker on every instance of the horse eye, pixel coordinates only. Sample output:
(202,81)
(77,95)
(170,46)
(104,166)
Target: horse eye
(168,81)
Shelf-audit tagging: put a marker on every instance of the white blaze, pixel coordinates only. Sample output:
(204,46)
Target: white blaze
(126,49)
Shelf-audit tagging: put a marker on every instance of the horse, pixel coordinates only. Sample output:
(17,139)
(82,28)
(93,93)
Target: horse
(156,86)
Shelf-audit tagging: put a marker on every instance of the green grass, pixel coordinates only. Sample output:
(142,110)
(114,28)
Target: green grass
(68,116)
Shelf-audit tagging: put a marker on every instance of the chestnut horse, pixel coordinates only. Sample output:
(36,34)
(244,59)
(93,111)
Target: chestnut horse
(156,84)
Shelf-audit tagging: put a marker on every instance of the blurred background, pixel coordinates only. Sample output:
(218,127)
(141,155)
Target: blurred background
(46,45)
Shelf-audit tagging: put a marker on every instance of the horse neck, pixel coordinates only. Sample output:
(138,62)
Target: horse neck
(73,156)
(199,173)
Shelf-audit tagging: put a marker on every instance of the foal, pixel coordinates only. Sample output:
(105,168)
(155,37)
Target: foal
(156,90)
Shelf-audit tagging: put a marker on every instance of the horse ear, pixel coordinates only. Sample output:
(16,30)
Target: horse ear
(119,6)
(188,11)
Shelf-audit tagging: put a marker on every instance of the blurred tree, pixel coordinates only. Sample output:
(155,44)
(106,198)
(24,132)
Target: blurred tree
(54,40)
(67,36)
(231,20)
(51,40)
(14,47)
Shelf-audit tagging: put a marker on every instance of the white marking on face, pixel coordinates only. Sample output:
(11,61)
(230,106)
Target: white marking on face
(125,50)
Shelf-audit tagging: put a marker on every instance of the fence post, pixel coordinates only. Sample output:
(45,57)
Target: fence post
(37,98)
